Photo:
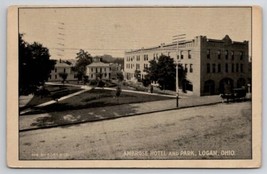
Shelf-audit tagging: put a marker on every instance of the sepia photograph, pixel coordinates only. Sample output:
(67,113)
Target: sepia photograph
(126,84)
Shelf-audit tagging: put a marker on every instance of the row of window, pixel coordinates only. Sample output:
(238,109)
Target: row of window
(213,68)
(189,55)
(185,66)
(138,67)
(138,57)
(232,55)
(156,56)
(100,69)
(64,70)
(226,54)
(131,66)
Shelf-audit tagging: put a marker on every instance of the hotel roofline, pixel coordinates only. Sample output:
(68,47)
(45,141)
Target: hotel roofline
(163,45)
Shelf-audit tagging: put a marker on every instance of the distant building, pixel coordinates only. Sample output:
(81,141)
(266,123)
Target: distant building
(98,70)
(210,63)
(62,67)
(102,70)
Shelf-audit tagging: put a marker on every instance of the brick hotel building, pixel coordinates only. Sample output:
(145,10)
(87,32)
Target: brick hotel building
(209,63)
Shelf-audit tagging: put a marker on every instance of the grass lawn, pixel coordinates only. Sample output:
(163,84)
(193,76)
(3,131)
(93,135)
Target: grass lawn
(55,91)
(100,98)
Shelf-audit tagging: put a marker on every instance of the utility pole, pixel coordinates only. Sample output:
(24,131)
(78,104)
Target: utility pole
(61,39)
(177,39)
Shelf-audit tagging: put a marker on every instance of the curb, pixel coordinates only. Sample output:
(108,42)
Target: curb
(116,117)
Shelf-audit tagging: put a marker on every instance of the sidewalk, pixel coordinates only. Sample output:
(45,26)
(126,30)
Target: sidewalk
(23,100)
(54,119)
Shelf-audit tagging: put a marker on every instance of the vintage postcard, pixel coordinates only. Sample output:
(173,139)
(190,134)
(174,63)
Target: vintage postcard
(134,87)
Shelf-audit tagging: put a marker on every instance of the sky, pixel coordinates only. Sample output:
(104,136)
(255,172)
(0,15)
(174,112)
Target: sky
(64,31)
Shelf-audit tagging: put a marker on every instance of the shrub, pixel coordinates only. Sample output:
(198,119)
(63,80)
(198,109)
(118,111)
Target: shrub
(93,82)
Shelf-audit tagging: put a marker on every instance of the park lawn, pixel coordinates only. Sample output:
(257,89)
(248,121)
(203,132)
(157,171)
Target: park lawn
(56,91)
(101,98)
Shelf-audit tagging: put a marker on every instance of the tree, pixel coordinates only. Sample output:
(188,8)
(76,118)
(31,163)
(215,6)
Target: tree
(63,75)
(85,79)
(83,59)
(152,71)
(137,75)
(120,76)
(34,66)
(119,61)
(163,71)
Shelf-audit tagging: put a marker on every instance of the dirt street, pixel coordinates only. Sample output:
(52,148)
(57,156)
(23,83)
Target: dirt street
(193,133)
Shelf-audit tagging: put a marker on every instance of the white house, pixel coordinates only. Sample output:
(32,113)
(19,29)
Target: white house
(62,67)
(98,70)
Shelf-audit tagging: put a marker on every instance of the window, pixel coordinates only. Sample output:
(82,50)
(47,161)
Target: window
(219,54)
(64,70)
(241,68)
(185,67)
(137,58)
(208,68)
(55,69)
(241,55)
(101,70)
(189,54)
(208,53)
(233,67)
(226,67)
(191,68)
(92,70)
(232,55)
(213,68)
(55,76)
(145,57)
(219,68)
(177,56)
(237,67)
(226,54)
(137,66)
(92,76)
(182,56)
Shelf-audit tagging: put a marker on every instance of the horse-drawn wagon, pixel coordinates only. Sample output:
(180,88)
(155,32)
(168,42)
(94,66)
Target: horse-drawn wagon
(237,94)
